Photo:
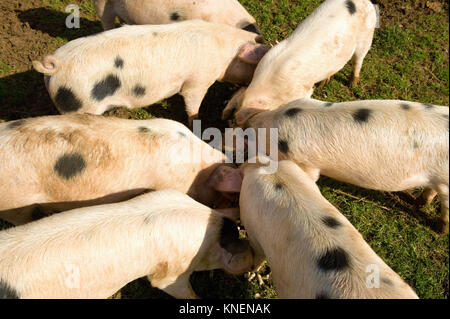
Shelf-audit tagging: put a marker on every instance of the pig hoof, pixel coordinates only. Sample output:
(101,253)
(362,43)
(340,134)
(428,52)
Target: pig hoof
(354,82)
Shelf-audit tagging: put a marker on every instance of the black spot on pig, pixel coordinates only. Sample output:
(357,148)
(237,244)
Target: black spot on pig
(331,222)
(350,6)
(322,296)
(292,112)
(229,237)
(106,87)
(405,106)
(175,16)
(362,115)
(252,28)
(70,165)
(143,129)
(118,62)
(6,291)
(428,106)
(283,146)
(138,90)
(67,101)
(334,259)
(386,281)
(181,134)
(279,186)
(328,104)
(15,124)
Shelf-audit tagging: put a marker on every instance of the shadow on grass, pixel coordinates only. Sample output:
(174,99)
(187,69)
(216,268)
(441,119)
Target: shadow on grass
(210,112)
(24,95)
(391,200)
(53,23)
(141,289)
(220,286)
(173,108)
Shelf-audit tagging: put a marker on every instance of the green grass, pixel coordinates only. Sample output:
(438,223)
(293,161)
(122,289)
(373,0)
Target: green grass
(408,60)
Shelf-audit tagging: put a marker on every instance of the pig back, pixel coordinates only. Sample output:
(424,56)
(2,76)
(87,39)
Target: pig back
(389,145)
(86,157)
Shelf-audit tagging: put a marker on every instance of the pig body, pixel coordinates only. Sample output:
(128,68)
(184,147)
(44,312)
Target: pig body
(69,161)
(312,249)
(135,66)
(229,12)
(92,252)
(323,43)
(383,145)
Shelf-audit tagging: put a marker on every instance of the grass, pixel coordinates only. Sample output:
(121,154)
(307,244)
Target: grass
(408,60)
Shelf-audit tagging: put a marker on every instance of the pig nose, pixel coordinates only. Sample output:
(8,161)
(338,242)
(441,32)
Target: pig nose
(252,28)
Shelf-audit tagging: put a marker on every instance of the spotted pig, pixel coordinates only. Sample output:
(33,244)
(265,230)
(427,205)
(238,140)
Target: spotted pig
(135,66)
(312,249)
(92,252)
(229,12)
(323,43)
(68,161)
(385,145)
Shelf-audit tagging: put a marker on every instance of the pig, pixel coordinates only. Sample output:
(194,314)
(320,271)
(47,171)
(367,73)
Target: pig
(229,12)
(312,249)
(61,162)
(323,43)
(93,252)
(385,145)
(135,66)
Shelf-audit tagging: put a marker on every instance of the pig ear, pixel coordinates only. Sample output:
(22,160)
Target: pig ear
(232,104)
(243,115)
(225,179)
(253,53)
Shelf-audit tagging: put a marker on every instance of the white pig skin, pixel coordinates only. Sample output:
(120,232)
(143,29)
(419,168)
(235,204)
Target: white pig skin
(70,161)
(229,12)
(136,66)
(385,145)
(312,249)
(92,252)
(322,44)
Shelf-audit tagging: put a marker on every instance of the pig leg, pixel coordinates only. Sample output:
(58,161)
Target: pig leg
(179,287)
(442,191)
(358,58)
(313,173)
(426,197)
(324,82)
(193,94)
(105,10)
